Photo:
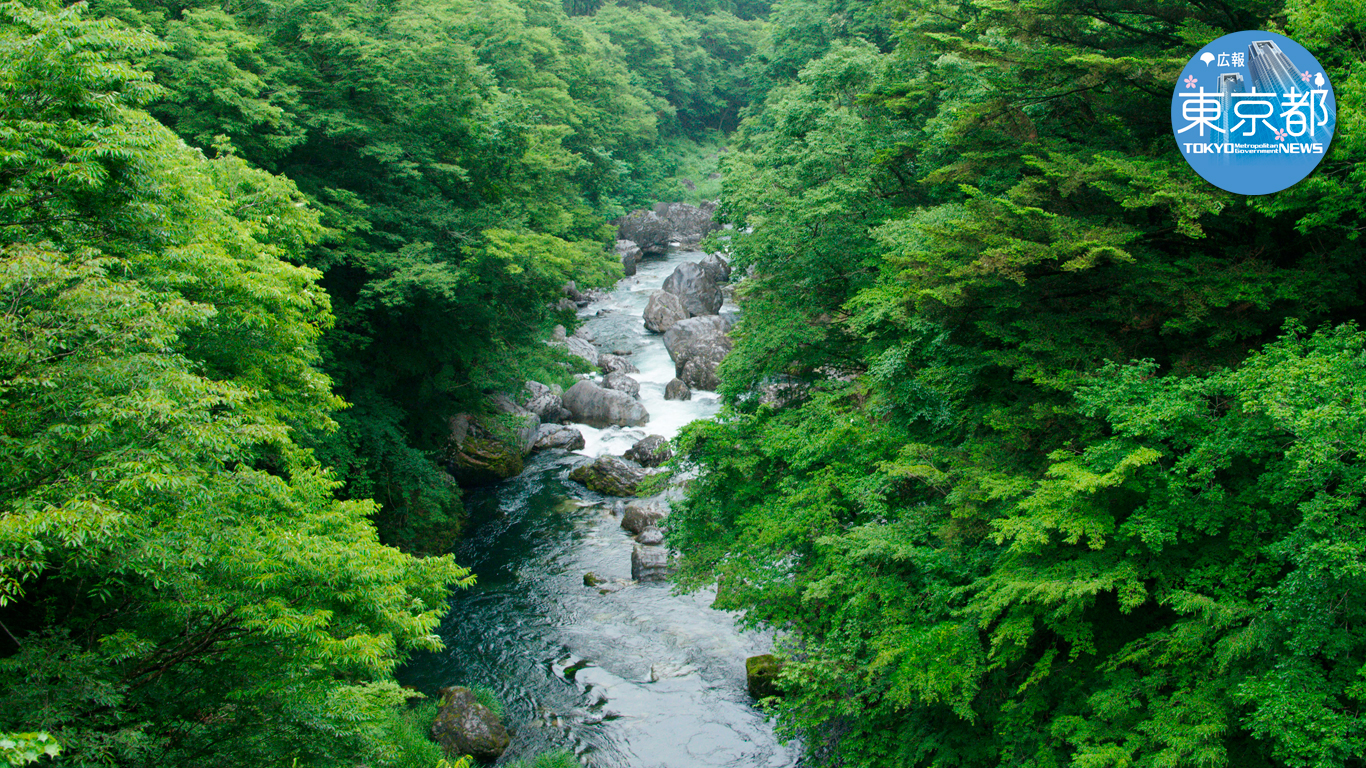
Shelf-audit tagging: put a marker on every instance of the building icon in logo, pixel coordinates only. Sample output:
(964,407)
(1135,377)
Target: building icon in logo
(1272,72)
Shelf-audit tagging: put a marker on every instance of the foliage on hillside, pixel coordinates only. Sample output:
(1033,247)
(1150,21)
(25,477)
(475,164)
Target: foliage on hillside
(465,157)
(1074,473)
(179,584)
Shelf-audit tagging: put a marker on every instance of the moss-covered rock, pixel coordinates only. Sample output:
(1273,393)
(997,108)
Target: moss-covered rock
(465,727)
(761,672)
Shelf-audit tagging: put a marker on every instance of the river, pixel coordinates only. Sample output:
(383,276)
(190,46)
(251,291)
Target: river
(637,678)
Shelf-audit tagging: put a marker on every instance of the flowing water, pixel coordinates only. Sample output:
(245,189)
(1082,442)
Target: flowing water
(636,678)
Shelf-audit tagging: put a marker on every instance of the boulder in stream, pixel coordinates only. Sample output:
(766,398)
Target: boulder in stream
(651,451)
(597,407)
(695,289)
(663,310)
(677,390)
(649,563)
(610,475)
(465,727)
(697,346)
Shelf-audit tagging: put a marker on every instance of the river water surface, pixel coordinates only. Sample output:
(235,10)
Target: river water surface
(636,678)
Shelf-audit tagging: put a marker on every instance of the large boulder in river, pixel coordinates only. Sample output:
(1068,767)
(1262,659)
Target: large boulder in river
(715,267)
(629,253)
(610,475)
(558,436)
(651,451)
(697,346)
(621,383)
(663,311)
(590,404)
(465,727)
(695,290)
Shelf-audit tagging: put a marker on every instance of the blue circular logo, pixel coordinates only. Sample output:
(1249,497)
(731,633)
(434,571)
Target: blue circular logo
(1253,112)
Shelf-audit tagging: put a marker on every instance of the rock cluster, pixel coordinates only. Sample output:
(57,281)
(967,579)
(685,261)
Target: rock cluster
(653,229)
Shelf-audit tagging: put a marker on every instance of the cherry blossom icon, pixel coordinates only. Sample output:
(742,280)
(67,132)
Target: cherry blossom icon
(1280,134)
(1190,81)
(1305,76)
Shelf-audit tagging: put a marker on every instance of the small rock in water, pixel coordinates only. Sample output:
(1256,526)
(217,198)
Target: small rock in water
(677,390)
(591,579)
(651,536)
(619,508)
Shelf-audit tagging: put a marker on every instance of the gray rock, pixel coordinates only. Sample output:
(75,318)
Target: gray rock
(629,253)
(476,455)
(577,346)
(622,383)
(558,436)
(610,475)
(652,230)
(590,404)
(649,563)
(651,536)
(663,311)
(643,513)
(697,346)
(716,268)
(677,390)
(615,364)
(651,451)
(566,305)
(696,290)
(465,727)
(544,401)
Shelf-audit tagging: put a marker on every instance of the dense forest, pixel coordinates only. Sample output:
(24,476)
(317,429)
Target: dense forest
(1041,451)
(1037,449)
